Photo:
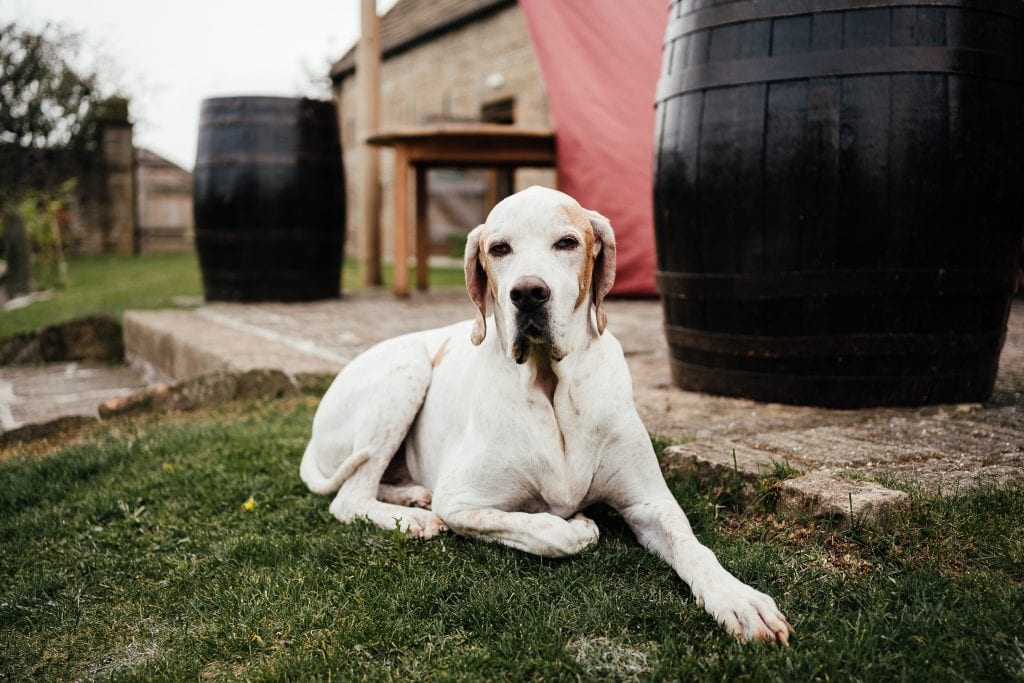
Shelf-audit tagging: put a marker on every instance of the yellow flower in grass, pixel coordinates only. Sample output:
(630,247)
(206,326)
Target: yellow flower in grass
(249,505)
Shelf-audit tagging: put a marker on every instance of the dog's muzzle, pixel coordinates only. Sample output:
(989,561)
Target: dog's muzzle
(530,296)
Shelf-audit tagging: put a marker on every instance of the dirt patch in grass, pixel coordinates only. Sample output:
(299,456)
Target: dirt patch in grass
(609,659)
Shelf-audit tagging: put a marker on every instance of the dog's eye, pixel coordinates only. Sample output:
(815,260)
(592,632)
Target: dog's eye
(567,243)
(499,249)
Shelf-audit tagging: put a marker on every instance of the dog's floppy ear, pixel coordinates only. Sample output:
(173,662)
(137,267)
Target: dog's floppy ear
(476,284)
(604,265)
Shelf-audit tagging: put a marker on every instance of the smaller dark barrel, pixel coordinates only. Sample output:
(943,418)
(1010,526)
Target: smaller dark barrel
(269,199)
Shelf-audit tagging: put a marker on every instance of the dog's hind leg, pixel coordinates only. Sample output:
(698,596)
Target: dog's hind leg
(358,498)
(353,504)
(410,494)
(397,486)
(360,425)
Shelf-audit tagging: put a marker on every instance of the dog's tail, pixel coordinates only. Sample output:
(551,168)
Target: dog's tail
(310,472)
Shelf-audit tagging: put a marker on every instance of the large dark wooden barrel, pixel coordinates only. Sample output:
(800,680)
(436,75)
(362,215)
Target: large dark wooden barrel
(269,199)
(838,198)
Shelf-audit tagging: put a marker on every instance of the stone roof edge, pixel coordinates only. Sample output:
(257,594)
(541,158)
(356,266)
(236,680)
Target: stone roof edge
(144,155)
(346,66)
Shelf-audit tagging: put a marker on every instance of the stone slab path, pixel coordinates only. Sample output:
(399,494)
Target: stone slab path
(946,446)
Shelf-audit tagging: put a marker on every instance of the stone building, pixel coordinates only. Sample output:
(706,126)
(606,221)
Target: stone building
(163,204)
(444,60)
(126,199)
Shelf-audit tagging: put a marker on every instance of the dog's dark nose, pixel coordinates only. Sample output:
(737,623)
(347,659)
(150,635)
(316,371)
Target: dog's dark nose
(530,293)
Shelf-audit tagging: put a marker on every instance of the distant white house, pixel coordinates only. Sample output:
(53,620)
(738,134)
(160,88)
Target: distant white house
(163,204)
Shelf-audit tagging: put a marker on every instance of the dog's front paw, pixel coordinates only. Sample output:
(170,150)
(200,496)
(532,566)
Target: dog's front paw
(431,526)
(421,524)
(414,496)
(747,613)
(586,530)
(562,537)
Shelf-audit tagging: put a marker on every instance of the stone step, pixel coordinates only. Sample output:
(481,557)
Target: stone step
(309,339)
(184,344)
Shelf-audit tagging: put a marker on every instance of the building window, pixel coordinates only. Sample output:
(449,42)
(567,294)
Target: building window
(499,111)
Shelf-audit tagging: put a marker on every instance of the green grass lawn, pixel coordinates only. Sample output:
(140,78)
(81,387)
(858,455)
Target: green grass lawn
(111,284)
(127,553)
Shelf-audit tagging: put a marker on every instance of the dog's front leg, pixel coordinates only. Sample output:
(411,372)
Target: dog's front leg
(747,613)
(635,486)
(538,533)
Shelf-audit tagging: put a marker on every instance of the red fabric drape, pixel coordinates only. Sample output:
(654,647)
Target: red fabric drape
(600,60)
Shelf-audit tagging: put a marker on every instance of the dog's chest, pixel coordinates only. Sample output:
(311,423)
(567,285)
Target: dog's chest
(560,459)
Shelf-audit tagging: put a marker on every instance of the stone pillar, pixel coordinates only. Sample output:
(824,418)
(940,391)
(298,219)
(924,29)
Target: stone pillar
(115,148)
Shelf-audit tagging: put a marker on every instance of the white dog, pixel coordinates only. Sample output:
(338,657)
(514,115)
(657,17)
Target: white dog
(507,436)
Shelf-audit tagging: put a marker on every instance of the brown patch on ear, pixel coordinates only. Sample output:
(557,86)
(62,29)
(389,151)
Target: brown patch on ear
(604,266)
(485,261)
(579,219)
(477,284)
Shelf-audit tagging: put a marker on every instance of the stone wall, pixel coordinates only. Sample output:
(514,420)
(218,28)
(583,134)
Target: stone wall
(83,233)
(450,77)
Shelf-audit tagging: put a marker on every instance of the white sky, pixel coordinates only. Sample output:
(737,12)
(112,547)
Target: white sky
(167,55)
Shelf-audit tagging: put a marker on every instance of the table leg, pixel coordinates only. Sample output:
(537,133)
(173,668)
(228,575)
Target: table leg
(422,229)
(492,189)
(401,189)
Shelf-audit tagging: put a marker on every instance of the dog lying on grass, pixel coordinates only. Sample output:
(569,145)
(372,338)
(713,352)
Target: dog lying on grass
(503,428)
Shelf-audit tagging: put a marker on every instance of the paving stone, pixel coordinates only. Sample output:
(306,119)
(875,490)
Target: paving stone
(220,386)
(41,394)
(818,494)
(266,383)
(844,501)
(209,389)
(718,461)
(204,390)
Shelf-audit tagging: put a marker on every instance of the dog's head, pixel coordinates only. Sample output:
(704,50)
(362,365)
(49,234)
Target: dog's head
(545,262)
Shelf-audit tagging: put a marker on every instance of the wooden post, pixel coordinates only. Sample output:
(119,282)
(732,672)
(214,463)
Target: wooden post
(422,229)
(401,189)
(368,119)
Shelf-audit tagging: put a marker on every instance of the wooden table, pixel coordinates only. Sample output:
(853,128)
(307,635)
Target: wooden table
(451,145)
